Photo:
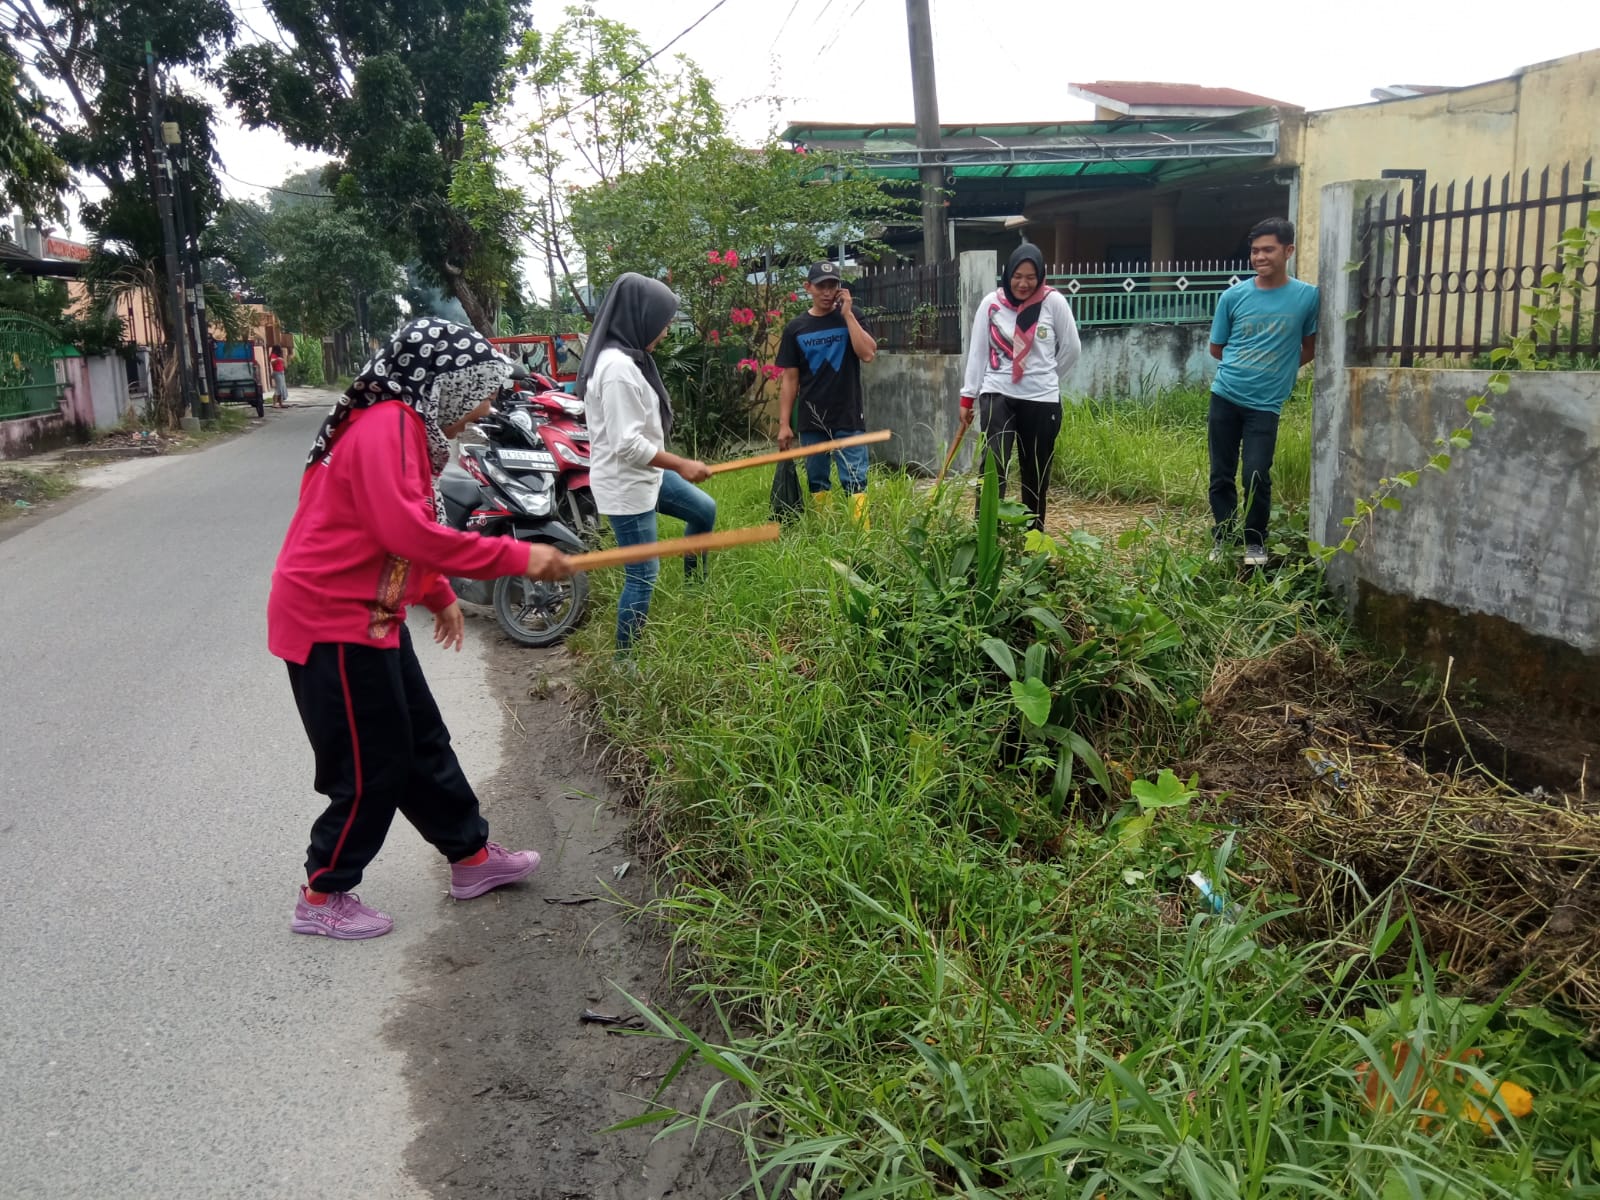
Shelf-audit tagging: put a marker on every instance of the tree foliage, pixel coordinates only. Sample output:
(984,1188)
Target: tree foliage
(732,230)
(32,176)
(237,246)
(602,107)
(92,54)
(325,261)
(388,87)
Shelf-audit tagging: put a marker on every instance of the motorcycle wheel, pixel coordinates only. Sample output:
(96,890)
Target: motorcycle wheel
(582,515)
(535,613)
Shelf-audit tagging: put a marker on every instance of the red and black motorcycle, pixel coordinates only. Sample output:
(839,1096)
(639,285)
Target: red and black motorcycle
(556,419)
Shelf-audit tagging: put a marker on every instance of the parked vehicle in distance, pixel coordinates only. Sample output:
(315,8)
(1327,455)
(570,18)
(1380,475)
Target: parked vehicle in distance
(555,355)
(238,377)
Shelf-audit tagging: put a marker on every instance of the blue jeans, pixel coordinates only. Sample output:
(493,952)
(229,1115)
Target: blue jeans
(680,499)
(852,462)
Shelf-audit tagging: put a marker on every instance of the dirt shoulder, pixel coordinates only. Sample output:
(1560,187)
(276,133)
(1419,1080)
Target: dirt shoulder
(510,1086)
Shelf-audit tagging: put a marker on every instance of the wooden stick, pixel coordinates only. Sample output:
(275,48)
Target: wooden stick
(722,539)
(951,457)
(766,460)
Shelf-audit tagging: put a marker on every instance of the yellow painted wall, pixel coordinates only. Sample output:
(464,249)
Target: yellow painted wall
(1545,115)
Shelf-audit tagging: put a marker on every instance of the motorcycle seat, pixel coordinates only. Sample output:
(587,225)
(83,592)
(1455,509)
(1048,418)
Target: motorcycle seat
(459,487)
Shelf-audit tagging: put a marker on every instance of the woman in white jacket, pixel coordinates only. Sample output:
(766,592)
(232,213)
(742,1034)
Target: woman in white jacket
(1024,341)
(631,472)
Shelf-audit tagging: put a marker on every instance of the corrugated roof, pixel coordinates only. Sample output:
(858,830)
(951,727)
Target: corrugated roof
(1139,94)
(1040,149)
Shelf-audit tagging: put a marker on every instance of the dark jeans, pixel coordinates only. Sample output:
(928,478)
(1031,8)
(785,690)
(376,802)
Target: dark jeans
(380,747)
(1031,426)
(1234,431)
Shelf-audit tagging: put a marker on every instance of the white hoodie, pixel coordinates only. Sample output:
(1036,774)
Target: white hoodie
(1055,350)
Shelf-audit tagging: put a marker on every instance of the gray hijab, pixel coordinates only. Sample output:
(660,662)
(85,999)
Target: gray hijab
(635,311)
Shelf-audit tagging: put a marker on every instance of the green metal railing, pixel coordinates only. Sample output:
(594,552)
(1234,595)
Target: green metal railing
(1145,293)
(28,353)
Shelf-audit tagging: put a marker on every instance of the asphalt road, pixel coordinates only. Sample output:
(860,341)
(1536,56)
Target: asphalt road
(161,1031)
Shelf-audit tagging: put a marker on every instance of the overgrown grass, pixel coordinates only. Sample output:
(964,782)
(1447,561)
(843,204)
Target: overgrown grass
(23,487)
(1153,448)
(899,780)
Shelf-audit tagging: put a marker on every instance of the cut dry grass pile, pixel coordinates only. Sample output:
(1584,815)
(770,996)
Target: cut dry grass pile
(1504,885)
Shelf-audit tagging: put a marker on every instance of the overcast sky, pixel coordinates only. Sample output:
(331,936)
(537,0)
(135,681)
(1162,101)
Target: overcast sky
(776,61)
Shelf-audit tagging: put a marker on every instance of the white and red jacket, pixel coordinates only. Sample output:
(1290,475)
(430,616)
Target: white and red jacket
(364,542)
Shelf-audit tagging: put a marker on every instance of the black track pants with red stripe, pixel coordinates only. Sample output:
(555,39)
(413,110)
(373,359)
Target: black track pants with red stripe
(381,747)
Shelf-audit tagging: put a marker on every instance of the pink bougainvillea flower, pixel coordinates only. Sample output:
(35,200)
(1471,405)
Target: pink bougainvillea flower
(713,257)
(749,364)
(773,313)
(730,258)
(719,281)
(793,296)
(771,371)
(715,335)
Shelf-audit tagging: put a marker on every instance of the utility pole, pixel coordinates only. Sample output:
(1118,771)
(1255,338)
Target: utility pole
(925,96)
(161,185)
(189,236)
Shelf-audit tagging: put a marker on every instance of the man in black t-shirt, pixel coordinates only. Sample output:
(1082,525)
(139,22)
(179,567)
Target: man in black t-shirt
(821,355)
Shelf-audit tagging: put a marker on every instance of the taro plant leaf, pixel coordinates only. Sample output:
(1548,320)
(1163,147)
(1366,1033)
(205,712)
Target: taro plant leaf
(1048,621)
(1062,785)
(1001,653)
(1078,746)
(1168,791)
(1033,698)
(1097,767)
(1033,661)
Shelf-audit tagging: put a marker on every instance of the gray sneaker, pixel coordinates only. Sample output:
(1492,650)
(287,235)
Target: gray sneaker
(1255,556)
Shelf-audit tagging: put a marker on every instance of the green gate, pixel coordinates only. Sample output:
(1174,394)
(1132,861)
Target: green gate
(29,350)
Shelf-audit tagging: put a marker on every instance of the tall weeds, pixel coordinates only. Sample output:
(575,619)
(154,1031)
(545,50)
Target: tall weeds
(899,783)
(1152,448)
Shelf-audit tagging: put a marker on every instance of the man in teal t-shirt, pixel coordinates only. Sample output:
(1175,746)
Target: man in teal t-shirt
(1265,330)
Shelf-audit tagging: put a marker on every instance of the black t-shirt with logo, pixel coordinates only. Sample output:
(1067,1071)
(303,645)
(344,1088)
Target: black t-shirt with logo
(830,373)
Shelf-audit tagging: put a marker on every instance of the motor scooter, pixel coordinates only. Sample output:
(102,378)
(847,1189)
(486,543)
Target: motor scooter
(507,488)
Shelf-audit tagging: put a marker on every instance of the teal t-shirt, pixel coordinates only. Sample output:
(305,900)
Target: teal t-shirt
(1260,330)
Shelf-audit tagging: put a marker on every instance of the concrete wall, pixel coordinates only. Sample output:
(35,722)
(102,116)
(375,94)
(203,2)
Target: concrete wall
(1496,562)
(1137,360)
(107,379)
(1541,116)
(73,423)
(917,396)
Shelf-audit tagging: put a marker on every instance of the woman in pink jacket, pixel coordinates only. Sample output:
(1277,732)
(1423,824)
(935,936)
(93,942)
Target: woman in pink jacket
(365,542)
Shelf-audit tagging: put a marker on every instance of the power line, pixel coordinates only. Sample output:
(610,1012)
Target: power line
(271,188)
(787,18)
(624,77)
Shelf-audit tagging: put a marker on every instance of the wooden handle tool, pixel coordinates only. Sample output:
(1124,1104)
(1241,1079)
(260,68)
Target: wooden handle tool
(722,539)
(951,457)
(777,456)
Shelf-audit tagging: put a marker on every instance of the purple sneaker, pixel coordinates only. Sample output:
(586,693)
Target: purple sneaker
(500,868)
(341,916)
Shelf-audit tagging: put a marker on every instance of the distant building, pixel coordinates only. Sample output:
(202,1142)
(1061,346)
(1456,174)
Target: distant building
(1177,173)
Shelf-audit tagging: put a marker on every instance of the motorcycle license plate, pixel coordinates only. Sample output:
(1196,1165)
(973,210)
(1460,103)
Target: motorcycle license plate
(531,460)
